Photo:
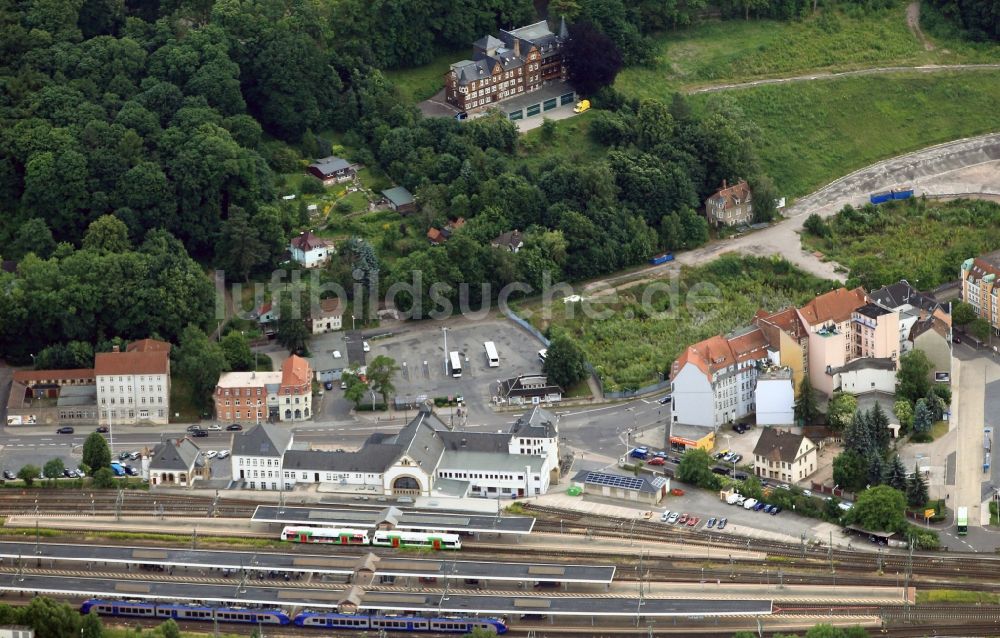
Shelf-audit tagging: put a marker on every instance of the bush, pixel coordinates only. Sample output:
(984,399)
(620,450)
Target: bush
(311,186)
(924,538)
(104,479)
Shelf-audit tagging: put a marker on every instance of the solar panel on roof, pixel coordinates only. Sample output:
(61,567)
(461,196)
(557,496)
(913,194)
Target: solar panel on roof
(614,480)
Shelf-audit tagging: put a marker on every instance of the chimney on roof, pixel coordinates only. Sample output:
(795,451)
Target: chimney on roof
(115,349)
(517,47)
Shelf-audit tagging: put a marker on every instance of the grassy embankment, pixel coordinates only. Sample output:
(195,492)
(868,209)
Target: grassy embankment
(634,343)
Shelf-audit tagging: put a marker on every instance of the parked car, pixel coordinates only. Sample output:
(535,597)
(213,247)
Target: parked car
(710,524)
(720,470)
(728,458)
(740,428)
(664,400)
(193,427)
(123,456)
(134,456)
(199,433)
(665,515)
(235,427)
(750,503)
(102,429)
(67,473)
(223,454)
(785,486)
(336,354)
(365,346)
(775,510)
(722,523)
(674,517)
(807,492)
(719,455)
(683,519)
(693,521)
(211,454)
(131,471)
(767,509)
(215,427)
(759,506)
(328,385)
(10,476)
(656,461)
(740,476)
(65,430)
(736,458)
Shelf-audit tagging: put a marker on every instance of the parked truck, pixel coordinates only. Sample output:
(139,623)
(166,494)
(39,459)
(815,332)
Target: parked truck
(904,192)
(661,259)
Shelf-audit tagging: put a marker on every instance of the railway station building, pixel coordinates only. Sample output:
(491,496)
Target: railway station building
(426,458)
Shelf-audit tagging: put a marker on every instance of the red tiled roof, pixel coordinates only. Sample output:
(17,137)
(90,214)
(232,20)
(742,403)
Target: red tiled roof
(835,306)
(34,376)
(295,371)
(435,236)
(749,346)
(135,362)
(148,345)
(710,355)
(306,241)
(729,194)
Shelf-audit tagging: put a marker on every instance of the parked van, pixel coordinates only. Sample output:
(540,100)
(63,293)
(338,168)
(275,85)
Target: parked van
(749,504)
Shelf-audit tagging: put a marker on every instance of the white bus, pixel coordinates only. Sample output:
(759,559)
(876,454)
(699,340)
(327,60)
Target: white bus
(456,365)
(491,354)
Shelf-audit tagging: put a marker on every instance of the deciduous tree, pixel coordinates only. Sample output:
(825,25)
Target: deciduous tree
(592,59)
(962,313)
(292,331)
(107,233)
(840,410)
(381,372)
(912,379)
(236,349)
(53,469)
(96,453)
(695,468)
(880,508)
(565,363)
(200,361)
(28,474)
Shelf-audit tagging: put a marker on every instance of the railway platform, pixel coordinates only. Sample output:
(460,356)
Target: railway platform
(363,568)
(394,518)
(357,599)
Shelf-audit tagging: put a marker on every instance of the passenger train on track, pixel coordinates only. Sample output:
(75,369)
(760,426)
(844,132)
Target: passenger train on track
(382,538)
(315,619)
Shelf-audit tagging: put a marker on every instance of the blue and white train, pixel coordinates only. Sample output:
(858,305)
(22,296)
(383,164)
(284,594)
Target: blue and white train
(318,620)
(180,611)
(442,624)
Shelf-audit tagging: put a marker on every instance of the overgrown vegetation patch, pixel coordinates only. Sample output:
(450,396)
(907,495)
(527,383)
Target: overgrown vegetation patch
(921,241)
(637,342)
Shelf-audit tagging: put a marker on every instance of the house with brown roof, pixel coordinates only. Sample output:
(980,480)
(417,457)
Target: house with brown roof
(134,386)
(512,240)
(730,205)
(438,237)
(932,336)
(328,317)
(784,456)
(714,381)
(311,251)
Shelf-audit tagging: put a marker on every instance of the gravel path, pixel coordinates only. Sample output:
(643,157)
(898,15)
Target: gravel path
(968,167)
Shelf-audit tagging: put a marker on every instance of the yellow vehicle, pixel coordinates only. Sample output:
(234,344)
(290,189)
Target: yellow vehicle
(581,106)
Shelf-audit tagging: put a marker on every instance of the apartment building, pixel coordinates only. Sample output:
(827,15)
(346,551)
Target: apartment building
(134,386)
(979,286)
(874,333)
(714,381)
(519,61)
(827,318)
(258,397)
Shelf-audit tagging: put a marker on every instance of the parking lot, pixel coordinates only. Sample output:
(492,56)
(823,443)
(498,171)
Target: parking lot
(420,353)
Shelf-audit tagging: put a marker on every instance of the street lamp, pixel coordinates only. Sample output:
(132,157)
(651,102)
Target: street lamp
(444,329)
(352,323)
